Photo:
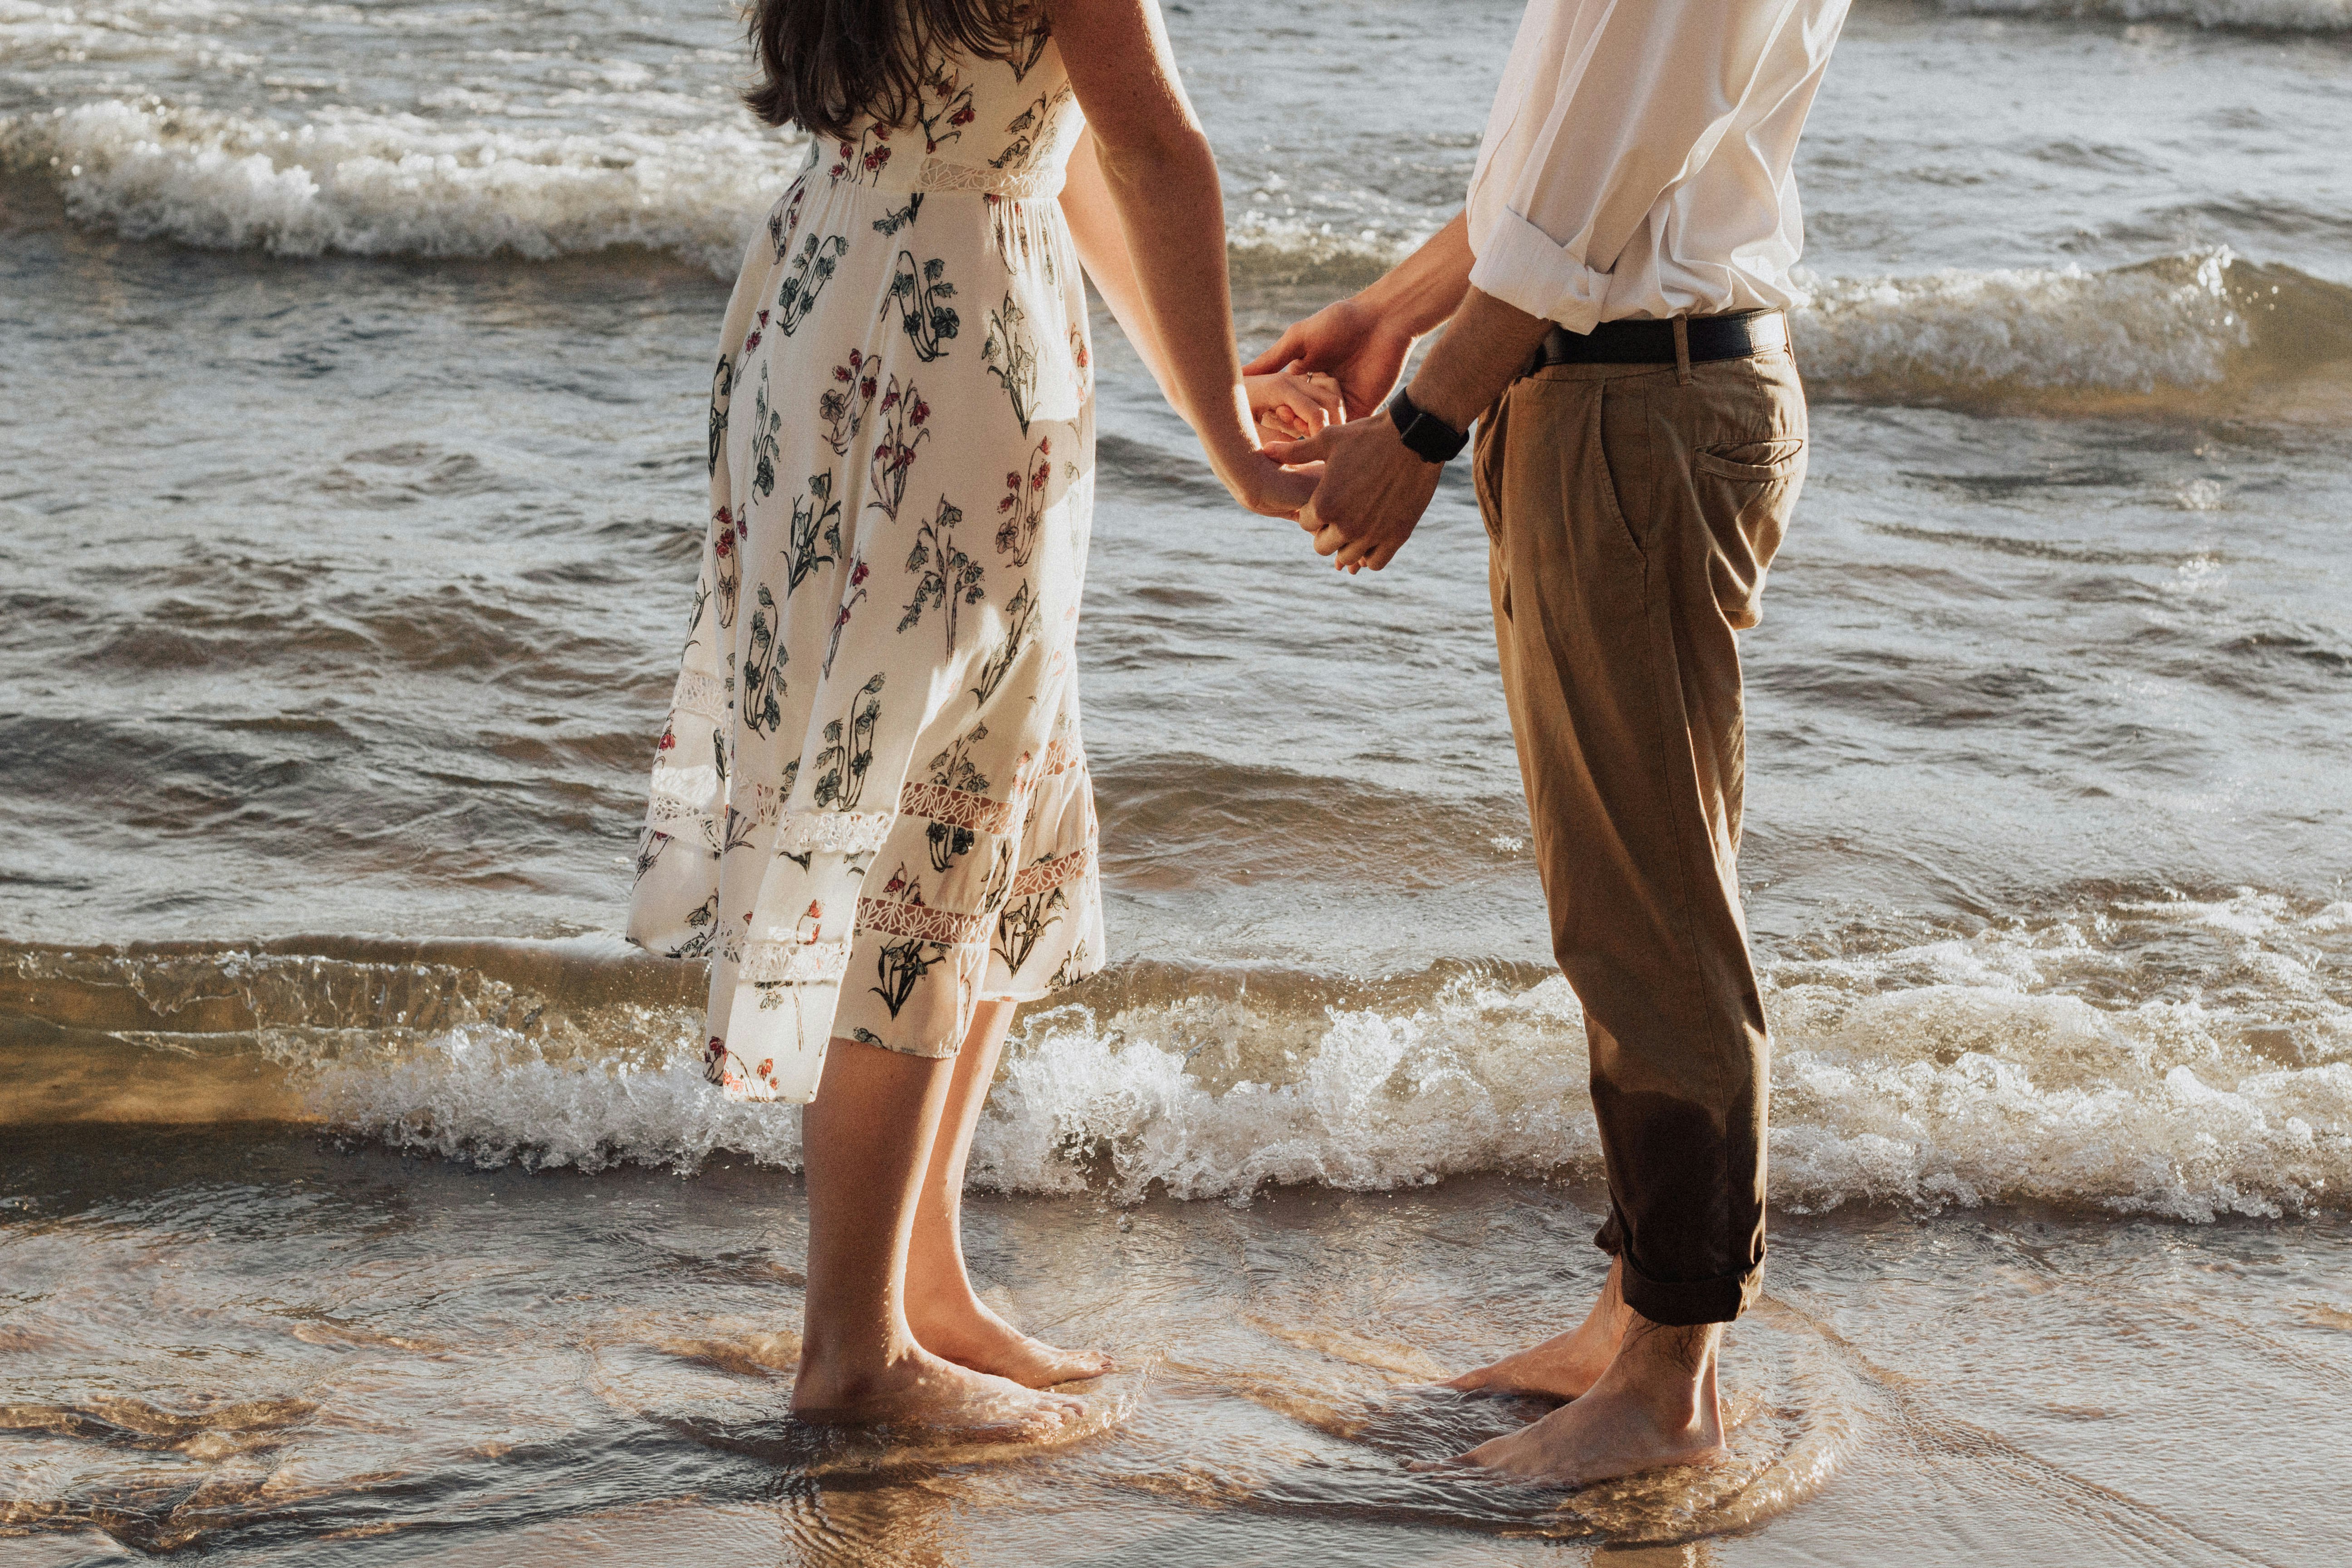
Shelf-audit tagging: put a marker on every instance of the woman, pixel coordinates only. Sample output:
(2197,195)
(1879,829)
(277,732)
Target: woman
(870,809)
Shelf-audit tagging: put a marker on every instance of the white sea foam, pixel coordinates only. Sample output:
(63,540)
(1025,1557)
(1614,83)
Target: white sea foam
(2008,1066)
(679,178)
(2168,324)
(377,184)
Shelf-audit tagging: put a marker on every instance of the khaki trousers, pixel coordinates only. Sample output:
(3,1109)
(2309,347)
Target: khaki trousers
(1633,511)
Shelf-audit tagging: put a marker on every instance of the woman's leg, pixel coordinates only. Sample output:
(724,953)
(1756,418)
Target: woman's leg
(948,1317)
(866,1139)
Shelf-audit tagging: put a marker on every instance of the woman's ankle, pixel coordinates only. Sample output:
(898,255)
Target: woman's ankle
(938,1294)
(946,1320)
(859,1358)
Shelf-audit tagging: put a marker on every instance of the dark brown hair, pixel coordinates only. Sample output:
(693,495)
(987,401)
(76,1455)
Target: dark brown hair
(825,64)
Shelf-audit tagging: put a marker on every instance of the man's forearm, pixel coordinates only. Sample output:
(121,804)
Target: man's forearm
(1421,292)
(1482,352)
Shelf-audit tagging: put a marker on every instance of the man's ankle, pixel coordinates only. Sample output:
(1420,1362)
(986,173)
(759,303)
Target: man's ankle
(1670,1369)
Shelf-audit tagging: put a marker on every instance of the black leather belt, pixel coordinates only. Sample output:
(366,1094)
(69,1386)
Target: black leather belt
(1733,336)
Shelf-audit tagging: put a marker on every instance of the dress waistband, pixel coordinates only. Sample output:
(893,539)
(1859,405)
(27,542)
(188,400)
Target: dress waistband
(939,175)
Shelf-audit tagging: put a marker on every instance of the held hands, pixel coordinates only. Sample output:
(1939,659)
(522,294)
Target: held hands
(1259,481)
(1292,403)
(1372,489)
(1283,405)
(1373,492)
(1350,340)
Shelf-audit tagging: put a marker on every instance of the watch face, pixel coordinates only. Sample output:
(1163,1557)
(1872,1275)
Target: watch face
(1432,437)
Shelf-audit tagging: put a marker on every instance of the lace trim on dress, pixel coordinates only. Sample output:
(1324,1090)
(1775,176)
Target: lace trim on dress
(1048,875)
(677,795)
(1062,756)
(939,175)
(957,808)
(835,831)
(697,692)
(921,922)
(696,784)
(792,963)
(660,807)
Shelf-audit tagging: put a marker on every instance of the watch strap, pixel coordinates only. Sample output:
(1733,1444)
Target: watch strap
(1424,435)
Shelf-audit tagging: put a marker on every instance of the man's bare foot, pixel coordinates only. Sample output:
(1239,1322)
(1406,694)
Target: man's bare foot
(920,1389)
(969,1334)
(1565,1365)
(1655,1406)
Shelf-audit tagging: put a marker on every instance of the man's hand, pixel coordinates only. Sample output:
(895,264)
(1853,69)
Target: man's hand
(1357,344)
(1363,339)
(1373,492)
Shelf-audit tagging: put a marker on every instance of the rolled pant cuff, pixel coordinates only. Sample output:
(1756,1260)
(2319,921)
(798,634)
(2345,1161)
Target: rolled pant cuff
(1683,1304)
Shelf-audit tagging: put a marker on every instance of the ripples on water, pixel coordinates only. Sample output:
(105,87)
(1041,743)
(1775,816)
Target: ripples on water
(354,366)
(499,1364)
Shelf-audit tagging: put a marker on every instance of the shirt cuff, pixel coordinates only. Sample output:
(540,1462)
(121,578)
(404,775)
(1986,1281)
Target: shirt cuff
(1522,265)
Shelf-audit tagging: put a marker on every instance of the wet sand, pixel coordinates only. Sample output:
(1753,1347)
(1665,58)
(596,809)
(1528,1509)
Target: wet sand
(264,1345)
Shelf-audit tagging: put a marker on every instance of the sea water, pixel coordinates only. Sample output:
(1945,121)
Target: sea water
(351,364)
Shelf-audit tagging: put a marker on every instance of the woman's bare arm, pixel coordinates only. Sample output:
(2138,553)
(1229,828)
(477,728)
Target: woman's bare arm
(1286,403)
(1102,246)
(1160,178)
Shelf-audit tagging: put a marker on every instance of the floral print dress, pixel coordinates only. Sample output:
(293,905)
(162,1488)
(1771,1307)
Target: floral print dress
(870,808)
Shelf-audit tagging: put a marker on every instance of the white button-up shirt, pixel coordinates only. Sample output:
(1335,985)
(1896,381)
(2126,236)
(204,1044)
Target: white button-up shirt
(1638,160)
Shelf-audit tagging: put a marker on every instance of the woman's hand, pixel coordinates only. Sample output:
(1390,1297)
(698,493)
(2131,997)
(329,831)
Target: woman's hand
(1292,403)
(1264,485)
(1354,341)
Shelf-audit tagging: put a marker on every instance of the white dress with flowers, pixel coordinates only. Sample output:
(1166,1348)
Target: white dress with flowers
(870,808)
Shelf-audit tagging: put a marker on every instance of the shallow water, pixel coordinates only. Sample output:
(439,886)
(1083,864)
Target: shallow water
(350,360)
(571,1367)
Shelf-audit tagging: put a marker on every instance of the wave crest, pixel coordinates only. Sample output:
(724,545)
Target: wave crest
(2177,332)
(374,185)
(2033,1061)
(2171,323)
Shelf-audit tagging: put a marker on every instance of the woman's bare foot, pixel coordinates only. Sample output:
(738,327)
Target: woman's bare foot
(946,1317)
(1565,1365)
(920,1389)
(969,1334)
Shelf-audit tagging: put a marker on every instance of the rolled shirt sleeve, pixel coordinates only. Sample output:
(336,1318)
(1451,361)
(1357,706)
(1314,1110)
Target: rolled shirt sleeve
(1604,108)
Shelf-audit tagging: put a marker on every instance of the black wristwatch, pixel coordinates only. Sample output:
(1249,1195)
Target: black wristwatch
(1426,436)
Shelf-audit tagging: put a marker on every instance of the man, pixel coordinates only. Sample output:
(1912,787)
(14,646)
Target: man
(1615,287)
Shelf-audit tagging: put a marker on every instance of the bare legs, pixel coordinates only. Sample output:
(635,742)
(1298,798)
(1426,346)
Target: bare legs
(1641,1397)
(947,1315)
(868,1139)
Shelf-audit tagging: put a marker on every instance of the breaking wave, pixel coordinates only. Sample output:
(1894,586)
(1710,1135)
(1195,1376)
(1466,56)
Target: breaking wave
(361,183)
(2172,333)
(2032,1062)
(2179,328)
